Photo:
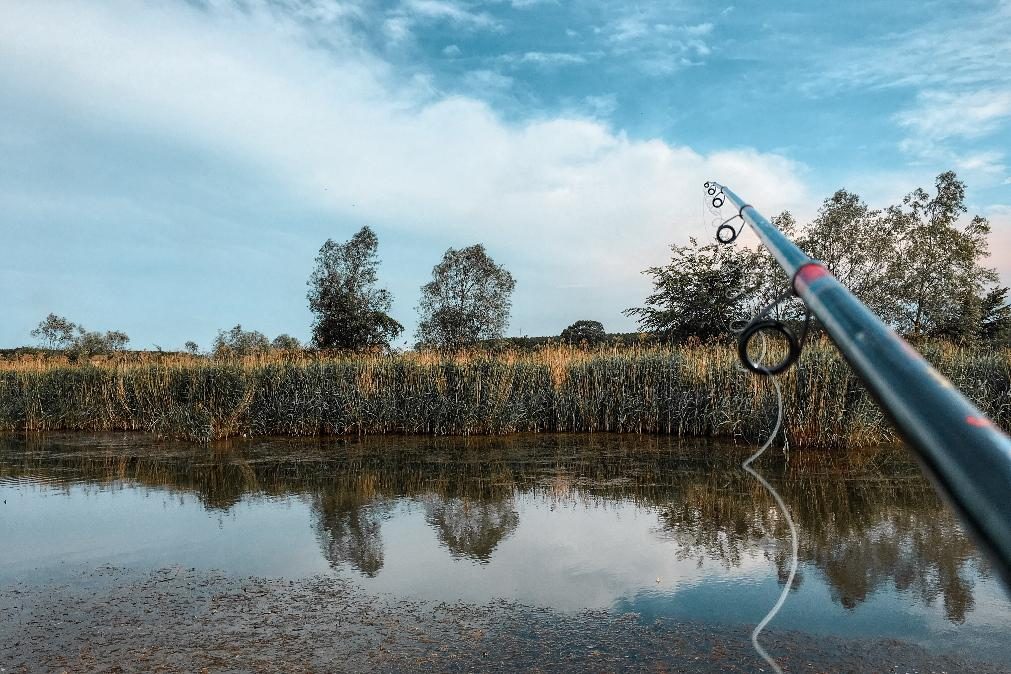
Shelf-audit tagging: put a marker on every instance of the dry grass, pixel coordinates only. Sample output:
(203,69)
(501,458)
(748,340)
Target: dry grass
(686,391)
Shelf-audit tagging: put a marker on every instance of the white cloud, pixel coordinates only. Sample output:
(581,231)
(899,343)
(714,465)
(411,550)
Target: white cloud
(601,106)
(942,121)
(400,22)
(542,58)
(483,82)
(945,114)
(658,48)
(989,162)
(452,12)
(629,28)
(397,29)
(336,128)
(452,51)
(699,29)
(968,52)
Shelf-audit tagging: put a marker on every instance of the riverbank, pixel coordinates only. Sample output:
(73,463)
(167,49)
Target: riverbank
(180,620)
(683,391)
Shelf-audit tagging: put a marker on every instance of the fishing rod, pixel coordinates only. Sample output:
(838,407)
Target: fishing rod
(964,453)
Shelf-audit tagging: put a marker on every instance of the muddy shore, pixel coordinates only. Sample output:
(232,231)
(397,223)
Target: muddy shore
(183,620)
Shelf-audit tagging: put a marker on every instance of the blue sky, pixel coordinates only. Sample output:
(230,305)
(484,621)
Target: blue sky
(171,168)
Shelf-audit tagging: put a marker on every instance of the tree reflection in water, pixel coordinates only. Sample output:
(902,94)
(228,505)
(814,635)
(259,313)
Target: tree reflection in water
(348,530)
(867,520)
(468,527)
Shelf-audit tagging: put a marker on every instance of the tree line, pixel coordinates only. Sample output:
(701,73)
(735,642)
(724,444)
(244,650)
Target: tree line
(917,265)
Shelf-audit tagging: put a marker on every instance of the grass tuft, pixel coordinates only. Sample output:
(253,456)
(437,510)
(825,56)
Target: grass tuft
(683,391)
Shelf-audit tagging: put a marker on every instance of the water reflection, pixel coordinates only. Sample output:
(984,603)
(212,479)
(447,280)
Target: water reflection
(867,520)
(468,527)
(348,528)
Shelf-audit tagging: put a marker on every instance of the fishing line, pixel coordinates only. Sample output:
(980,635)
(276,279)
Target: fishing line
(794,544)
(726,233)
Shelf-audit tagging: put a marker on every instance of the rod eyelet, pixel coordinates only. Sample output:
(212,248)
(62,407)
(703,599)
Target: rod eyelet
(726,234)
(753,329)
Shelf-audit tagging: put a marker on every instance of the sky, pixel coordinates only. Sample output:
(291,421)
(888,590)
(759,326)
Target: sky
(171,168)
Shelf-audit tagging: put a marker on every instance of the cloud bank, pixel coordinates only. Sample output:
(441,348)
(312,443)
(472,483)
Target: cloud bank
(330,126)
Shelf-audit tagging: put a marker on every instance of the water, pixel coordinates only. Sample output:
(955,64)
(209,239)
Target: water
(652,526)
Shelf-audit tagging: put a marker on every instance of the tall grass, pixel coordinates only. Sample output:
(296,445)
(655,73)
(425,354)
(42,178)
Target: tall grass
(685,391)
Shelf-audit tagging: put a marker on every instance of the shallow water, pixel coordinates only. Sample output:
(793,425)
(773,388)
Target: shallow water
(653,526)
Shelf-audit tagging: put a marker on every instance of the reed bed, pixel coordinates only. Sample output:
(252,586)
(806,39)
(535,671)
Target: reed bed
(685,391)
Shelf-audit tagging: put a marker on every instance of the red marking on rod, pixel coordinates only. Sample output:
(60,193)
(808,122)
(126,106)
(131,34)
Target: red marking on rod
(810,272)
(978,422)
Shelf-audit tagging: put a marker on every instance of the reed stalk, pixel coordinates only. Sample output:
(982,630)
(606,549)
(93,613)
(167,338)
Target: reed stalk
(684,391)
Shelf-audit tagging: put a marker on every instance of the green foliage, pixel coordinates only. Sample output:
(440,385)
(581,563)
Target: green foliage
(995,324)
(590,332)
(286,342)
(78,342)
(684,391)
(467,300)
(116,340)
(852,242)
(55,331)
(237,343)
(351,312)
(916,265)
(191,348)
(700,293)
(935,277)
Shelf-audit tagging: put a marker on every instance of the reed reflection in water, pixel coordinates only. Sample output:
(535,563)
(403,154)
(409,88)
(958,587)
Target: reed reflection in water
(869,524)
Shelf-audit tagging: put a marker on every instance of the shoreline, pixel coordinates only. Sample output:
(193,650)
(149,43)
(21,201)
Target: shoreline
(174,620)
(690,392)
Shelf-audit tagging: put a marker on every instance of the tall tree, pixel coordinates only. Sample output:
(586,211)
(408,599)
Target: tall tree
(238,342)
(769,281)
(55,331)
(351,312)
(467,300)
(856,245)
(936,272)
(996,316)
(286,342)
(700,293)
(591,332)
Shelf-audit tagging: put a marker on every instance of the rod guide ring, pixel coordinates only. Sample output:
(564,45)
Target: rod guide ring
(748,333)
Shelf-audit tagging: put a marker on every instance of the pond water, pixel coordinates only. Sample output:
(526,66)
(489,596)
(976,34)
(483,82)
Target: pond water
(652,526)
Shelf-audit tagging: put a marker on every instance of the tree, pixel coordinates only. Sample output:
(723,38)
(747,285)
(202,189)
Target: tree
(915,265)
(55,331)
(351,312)
(591,332)
(996,316)
(88,343)
(192,348)
(116,340)
(471,527)
(238,342)
(286,343)
(856,246)
(700,293)
(935,273)
(467,300)
(58,332)
(768,278)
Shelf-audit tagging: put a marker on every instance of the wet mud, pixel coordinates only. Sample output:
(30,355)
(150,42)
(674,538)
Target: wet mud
(184,620)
